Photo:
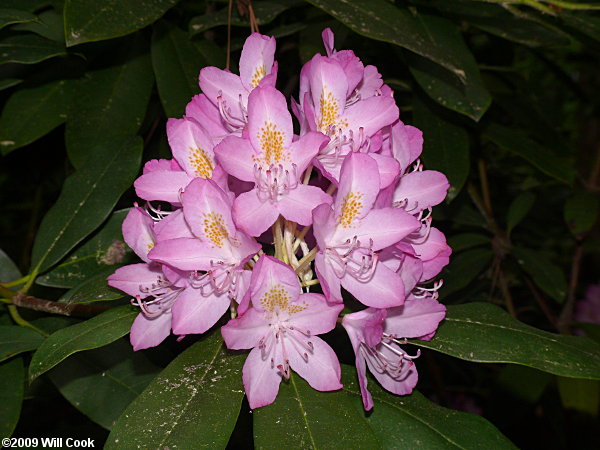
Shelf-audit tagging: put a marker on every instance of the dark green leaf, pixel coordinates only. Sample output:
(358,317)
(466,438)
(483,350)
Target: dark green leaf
(93,333)
(86,200)
(445,147)
(105,248)
(15,340)
(9,82)
(302,418)
(581,395)
(518,209)
(463,269)
(94,289)
(483,332)
(412,421)
(49,24)
(12,374)
(583,22)
(517,142)
(193,403)
(31,113)
(28,49)
(101,383)
(523,382)
(10,16)
(591,330)
(546,275)
(381,20)
(24,5)
(265,12)
(463,241)
(581,212)
(466,95)
(90,20)
(177,63)
(110,102)
(8,269)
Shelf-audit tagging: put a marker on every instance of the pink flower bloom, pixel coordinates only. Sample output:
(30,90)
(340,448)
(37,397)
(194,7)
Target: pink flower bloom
(588,308)
(280,328)
(376,334)
(350,234)
(274,162)
(229,92)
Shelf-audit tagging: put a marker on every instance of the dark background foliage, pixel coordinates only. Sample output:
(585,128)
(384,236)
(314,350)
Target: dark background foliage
(507,95)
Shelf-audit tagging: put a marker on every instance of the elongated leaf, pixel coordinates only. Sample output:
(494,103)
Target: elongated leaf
(101,383)
(446,146)
(523,382)
(302,417)
(10,16)
(483,332)
(110,102)
(581,212)
(104,248)
(518,209)
(583,22)
(466,95)
(90,20)
(193,403)
(412,421)
(12,374)
(381,20)
(265,12)
(94,289)
(49,24)
(31,113)
(86,200)
(465,241)
(28,49)
(177,63)
(9,82)
(548,276)
(581,395)
(8,269)
(93,333)
(15,340)
(517,142)
(464,267)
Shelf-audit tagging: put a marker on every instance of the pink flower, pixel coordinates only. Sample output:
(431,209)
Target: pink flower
(350,234)
(588,308)
(376,334)
(280,328)
(274,162)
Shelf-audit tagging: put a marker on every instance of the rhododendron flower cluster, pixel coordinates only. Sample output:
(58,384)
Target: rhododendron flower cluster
(258,229)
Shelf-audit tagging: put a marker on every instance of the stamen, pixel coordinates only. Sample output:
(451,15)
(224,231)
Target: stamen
(353,258)
(275,181)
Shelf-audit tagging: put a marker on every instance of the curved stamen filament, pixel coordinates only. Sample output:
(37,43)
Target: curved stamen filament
(275,181)
(353,258)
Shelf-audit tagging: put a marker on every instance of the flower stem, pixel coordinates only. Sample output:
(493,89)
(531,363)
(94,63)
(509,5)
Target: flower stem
(307,259)
(14,313)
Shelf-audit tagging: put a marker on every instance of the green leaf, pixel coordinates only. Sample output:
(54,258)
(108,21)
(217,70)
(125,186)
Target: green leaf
(90,20)
(464,267)
(591,330)
(110,102)
(177,63)
(15,340)
(518,209)
(383,21)
(87,198)
(32,113)
(10,16)
(466,95)
(464,241)
(104,248)
(8,269)
(49,24)
(445,146)
(9,82)
(517,142)
(483,332)
(265,12)
(101,383)
(28,49)
(93,333)
(581,395)
(193,403)
(12,374)
(523,382)
(94,289)
(302,417)
(581,212)
(412,421)
(546,275)
(24,5)
(582,22)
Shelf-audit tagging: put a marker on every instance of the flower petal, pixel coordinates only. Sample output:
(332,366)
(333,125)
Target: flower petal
(207,114)
(252,215)
(256,59)
(318,317)
(131,278)
(261,381)
(162,185)
(237,156)
(330,283)
(192,147)
(417,317)
(384,289)
(321,368)
(274,286)
(187,254)
(173,226)
(194,313)
(246,331)
(138,232)
(297,205)
(149,332)
(216,83)
(421,190)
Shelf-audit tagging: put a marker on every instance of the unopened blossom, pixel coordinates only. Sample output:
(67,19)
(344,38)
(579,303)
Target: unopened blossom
(281,328)
(270,158)
(376,336)
(350,234)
